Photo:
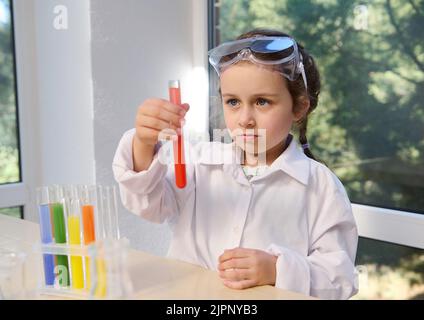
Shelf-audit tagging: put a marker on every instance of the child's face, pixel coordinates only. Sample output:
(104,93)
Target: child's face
(256,98)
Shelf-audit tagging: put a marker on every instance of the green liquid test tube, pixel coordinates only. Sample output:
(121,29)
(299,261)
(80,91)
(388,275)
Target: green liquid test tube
(62,267)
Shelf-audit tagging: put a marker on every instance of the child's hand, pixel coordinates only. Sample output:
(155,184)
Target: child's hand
(156,115)
(242,268)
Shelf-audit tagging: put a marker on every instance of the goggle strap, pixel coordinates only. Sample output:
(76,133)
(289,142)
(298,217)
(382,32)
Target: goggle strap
(302,71)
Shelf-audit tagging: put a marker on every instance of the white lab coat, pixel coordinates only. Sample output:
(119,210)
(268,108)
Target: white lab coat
(297,210)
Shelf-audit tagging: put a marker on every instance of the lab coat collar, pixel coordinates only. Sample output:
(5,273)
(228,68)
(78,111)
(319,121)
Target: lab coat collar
(292,161)
(229,155)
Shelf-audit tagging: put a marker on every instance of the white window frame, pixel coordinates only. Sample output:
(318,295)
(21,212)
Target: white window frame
(18,194)
(399,227)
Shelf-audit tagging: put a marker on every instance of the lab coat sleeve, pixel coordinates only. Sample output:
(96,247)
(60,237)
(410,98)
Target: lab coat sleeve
(328,272)
(147,193)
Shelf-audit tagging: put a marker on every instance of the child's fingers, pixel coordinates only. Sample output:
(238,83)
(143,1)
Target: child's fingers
(243,284)
(235,274)
(158,104)
(174,108)
(235,263)
(156,123)
(186,106)
(161,114)
(234,253)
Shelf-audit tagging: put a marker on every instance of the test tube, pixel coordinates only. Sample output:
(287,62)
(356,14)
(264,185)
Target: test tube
(100,214)
(73,212)
(100,287)
(107,231)
(88,203)
(112,212)
(179,162)
(98,266)
(113,281)
(62,267)
(43,202)
(107,213)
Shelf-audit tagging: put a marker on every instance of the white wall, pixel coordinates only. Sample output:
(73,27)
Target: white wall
(64,94)
(54,98)
(137,46)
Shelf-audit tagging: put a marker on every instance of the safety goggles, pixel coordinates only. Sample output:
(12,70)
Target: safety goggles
(281,52)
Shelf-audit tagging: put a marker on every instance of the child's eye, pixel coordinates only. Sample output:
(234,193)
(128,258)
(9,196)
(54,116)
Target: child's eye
(232,102)
(262,102)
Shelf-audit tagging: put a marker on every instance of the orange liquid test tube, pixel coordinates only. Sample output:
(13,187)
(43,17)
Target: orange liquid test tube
(180,167)
(89,235)
(88,222)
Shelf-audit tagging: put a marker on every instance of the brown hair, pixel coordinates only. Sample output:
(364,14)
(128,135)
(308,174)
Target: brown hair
(297,88)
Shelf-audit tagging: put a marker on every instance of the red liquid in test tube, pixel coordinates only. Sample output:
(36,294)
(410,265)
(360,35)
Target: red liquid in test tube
(180,167)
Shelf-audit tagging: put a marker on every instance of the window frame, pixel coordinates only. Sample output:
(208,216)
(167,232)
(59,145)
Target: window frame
(394,226)
(23,40)
(12,194)
(377,223)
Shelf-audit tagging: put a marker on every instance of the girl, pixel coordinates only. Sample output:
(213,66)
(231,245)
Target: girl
(272,215)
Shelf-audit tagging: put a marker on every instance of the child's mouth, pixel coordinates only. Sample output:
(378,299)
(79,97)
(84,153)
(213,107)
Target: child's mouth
(249,137)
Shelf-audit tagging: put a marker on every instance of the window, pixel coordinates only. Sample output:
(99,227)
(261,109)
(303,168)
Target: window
(369,124)
(15,212)
(10,172)
(9,150)
(389,271)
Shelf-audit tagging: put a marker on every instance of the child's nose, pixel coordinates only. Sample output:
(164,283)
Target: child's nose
(246,119)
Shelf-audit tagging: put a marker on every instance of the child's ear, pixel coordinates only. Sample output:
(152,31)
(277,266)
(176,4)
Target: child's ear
(302,108)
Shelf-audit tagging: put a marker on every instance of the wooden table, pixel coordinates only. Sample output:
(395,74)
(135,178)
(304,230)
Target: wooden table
(152,277)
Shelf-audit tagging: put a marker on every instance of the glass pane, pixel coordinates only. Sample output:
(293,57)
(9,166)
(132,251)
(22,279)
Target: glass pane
(9,145)
(15,212)
(369,125)
(389,271)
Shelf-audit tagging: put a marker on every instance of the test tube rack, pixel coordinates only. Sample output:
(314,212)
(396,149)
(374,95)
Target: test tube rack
(84,256)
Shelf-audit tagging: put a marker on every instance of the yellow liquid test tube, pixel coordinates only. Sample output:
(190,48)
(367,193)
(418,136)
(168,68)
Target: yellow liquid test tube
(101,278)
(108,230)
(74,230)
(100,262)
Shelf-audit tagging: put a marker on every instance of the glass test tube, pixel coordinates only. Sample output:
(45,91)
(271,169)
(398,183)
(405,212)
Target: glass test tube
(112,212)
(179,162)
(108,226)
(62,267)
(88,203)
(73,212)
(43,203)
(108,230)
